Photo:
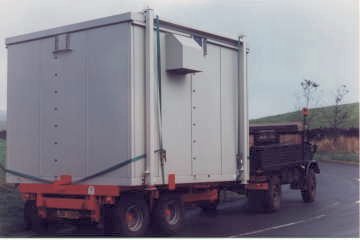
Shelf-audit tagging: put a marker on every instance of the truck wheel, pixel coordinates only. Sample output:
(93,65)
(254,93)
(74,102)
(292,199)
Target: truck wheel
(168,214)
(255,199)
(131,216)
(272,197)
(308,193)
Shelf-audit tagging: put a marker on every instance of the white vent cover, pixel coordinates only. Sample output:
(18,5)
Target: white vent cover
(183,55)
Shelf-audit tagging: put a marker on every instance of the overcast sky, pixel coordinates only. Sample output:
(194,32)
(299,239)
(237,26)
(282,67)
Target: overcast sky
(289,40)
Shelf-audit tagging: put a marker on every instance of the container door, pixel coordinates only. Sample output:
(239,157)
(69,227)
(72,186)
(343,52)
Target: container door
(62,106)
(206,130)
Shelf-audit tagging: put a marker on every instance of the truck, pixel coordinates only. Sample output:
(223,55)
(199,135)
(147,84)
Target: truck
(126,119)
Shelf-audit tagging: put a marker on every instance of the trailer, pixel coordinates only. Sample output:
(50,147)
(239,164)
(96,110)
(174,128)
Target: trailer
(124,120)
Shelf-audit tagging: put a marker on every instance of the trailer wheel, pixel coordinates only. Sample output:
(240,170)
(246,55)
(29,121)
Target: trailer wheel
(131,216)
(272,197)
(168,214)
(308,193)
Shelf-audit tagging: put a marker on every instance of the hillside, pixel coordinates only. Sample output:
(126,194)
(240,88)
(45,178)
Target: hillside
(319,117)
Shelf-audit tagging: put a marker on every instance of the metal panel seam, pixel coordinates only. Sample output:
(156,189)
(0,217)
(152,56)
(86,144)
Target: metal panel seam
(86,96)
(39,111)
(221,117)
(131,117)
(191,120)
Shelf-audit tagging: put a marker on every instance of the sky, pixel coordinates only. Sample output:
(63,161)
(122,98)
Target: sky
(289,40)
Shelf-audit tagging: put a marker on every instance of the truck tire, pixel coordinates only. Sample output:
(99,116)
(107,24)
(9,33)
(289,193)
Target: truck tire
(255,200)
(308,193)
(272,197)
(131,216)
(168,214)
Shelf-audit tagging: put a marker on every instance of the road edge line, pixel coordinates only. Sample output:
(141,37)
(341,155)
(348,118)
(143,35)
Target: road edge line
(278,226)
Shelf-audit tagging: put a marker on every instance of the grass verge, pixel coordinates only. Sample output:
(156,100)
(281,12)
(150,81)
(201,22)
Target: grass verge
(337,156)
(2,158)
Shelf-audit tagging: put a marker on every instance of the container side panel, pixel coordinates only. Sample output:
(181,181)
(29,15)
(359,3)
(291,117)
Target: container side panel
(229,76)
(62,108)
(23,110)
(108,102)
(206,131)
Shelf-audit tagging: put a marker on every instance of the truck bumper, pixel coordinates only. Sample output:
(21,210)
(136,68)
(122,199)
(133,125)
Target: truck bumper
(69,201)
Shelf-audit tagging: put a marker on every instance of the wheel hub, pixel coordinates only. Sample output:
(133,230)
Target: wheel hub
(171,213)
(134,218)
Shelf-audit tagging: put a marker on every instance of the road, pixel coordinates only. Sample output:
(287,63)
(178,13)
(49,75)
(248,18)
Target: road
(335,213)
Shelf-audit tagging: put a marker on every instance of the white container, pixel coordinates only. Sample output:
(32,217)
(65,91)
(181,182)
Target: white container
(76,103)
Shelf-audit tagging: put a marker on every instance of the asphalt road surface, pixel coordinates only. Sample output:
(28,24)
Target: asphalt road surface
(335,213)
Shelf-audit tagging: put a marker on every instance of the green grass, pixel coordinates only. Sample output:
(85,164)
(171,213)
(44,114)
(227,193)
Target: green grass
(2,151)
(11,205)
(338,156)
(319,117)
(2,157)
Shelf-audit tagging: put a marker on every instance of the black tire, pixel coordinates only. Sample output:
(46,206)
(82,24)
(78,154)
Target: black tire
(272,197)
(255,201)
(28,210)
(131,216)
(108,219)
(308,193)
(168,214)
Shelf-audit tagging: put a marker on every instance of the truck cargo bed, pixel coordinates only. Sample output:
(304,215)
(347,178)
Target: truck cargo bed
(275,157)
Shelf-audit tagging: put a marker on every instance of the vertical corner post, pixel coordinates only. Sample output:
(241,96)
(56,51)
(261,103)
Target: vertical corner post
(149,97)
(243,157)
